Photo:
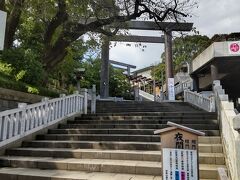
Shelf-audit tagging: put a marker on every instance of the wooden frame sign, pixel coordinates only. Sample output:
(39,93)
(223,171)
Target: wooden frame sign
(179,152)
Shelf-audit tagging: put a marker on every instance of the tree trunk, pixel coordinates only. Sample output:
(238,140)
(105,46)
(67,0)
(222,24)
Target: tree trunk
(12,23)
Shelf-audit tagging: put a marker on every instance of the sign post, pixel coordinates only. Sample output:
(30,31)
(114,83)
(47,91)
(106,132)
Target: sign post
(3,18)
(179,152)
(171,90)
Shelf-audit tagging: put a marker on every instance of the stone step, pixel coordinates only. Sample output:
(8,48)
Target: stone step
(147,146)
(145,121)
(75,130)
(94,145)
(108,109)
(143,117)
(100,137)
(90,165)
(136,126)
(98,165)
(204,158)
(87,153)
(165,114)
(41,174)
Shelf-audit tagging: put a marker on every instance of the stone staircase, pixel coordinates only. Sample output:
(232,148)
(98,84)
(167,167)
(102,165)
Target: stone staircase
(117,143)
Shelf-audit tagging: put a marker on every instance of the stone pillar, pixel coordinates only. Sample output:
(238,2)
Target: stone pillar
(128,71)
(104,83)
(93,101)
(214,72)
(168,56)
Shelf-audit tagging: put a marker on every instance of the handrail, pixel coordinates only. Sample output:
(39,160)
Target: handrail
(199,100)
(146,95)
(179,88)
(27,119)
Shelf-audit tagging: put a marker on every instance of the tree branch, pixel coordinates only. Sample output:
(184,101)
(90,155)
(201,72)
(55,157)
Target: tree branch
(60,17)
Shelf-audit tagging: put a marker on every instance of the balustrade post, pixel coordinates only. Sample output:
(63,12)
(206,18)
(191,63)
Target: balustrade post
(85,100)
(63,104)
(23,107)
(93,101)
(185,96)
(76,102)
(212,104)
(45,110)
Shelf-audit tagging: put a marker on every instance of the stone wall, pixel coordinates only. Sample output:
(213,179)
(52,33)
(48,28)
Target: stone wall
(9,99)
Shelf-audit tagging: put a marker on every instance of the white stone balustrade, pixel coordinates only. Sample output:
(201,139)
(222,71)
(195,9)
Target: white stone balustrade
(27,119)
(199,100)
(179,88)
(228,120)
(146,95)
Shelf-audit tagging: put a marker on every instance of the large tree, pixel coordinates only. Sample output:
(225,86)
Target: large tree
(58,23)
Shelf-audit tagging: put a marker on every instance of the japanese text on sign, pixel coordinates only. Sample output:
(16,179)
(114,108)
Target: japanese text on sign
(179,164)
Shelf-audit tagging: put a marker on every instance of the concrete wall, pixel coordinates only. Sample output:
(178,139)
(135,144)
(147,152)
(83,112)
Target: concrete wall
(9,99)
(217,49)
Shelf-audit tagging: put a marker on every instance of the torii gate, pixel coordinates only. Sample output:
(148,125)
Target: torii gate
(128,66)
(167,27)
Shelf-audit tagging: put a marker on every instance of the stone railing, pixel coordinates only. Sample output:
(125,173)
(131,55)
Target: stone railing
(205,103)
(146,95)
(27,119)
(92,97)
(179,88)
(115,99)
(230,126)
(222,175)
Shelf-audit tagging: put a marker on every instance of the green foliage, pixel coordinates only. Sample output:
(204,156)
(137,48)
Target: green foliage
(20,75)
(188,47)
(10,83)
(158,72)
(185,49)
(119,84)
(5,68)
(22,60)
(32,90)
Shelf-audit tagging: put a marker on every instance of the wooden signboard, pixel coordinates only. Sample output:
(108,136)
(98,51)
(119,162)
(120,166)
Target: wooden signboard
(179,152)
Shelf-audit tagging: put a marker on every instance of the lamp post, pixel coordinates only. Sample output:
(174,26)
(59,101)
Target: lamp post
(79,75)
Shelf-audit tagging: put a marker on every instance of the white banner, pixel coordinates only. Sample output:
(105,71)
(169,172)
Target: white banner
(171,90)
(3,18)
(234,47)
(179,164)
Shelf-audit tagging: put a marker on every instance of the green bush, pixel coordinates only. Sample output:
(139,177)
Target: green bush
(8,83)
(23,60)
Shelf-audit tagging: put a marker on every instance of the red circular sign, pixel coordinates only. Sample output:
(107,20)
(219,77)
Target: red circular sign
(234,47)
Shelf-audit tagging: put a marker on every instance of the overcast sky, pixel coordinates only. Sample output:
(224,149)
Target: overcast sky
(212,17)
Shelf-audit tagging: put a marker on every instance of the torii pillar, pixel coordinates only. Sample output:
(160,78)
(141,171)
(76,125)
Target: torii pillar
(168,54)
(104,75)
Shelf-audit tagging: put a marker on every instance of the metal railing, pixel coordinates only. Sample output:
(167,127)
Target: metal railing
(27,119)
(199,100)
